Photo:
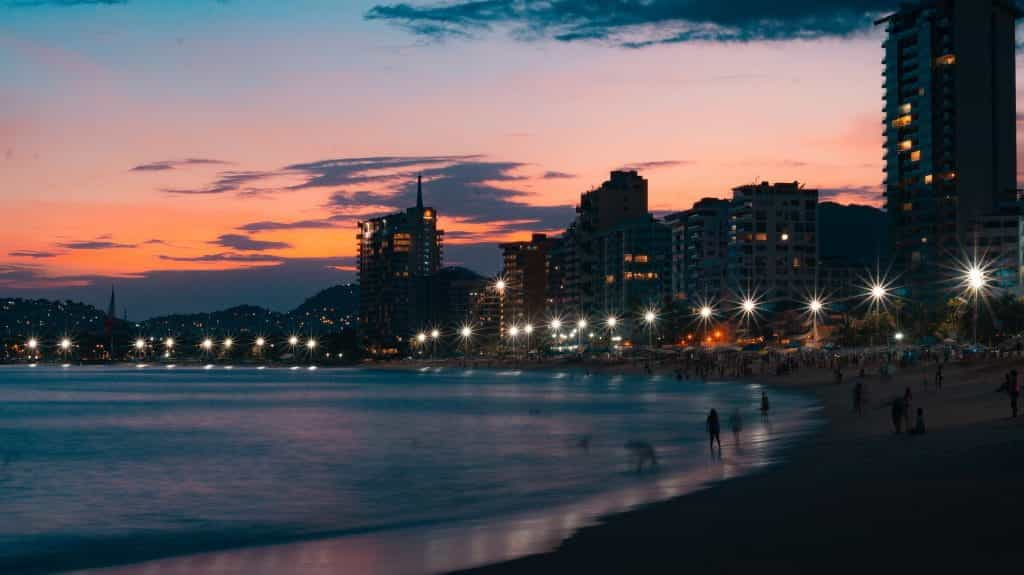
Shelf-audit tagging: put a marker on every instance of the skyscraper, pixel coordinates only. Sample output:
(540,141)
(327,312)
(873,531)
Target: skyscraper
(773,244)
(620,199)
(699,249)
(526,273)
(950,130)
(399,258)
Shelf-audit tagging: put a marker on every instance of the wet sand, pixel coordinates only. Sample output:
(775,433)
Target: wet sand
(855,497)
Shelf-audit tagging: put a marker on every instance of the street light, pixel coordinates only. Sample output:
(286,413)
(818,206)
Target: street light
(898,336)
(311,344)
(228,342)
(434,335)
(33,343)
(513,333)
(465,333)
(260,342)
(815,306)
(207,344)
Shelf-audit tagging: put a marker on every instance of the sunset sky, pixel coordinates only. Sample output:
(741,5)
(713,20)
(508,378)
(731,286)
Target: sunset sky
(203,154)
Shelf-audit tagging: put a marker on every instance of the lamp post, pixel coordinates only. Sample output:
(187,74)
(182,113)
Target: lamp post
(421,339)
(976,280)
(513,333)
(580,326)
(434,335)
(465,333)
(814,307)
(140,349)
(528,330)
(650,317)
(168,347)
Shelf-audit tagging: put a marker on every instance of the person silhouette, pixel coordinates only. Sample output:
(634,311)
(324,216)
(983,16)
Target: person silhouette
(714,429)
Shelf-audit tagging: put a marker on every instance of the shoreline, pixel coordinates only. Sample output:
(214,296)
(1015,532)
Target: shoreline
(950,495)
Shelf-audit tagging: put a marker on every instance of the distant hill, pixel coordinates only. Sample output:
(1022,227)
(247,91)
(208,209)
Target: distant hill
(331,310)
(855,233)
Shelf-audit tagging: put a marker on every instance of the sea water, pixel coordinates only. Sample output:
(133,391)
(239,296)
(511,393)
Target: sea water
(356,471)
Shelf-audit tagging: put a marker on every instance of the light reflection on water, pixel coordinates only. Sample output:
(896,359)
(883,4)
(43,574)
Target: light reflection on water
(372,472)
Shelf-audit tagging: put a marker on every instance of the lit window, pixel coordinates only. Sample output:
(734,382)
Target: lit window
(902,121)
(609,279)
(908,206)
(640,258)
(761,236)
(915,156)
(905,145)
(928,179)
(946,60)
(905,108)
(627,257)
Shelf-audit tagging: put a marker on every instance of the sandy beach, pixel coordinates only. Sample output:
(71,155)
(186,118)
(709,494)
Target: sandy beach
(856,496)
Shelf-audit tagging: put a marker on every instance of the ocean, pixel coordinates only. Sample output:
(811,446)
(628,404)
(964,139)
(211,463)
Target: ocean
(128,470)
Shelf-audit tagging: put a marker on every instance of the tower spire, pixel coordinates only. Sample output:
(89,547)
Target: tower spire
(419,192)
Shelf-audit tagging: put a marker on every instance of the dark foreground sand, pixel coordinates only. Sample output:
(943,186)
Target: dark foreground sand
(855,498)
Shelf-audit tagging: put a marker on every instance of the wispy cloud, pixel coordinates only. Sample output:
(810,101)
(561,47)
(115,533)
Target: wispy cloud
(870,195)
(247,244)
(224,257)
(635,23)
(166,165)
(265,226)
(34,254)
(96,245)
(654,165)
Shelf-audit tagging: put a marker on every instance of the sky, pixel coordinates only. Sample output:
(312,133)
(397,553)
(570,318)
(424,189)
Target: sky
(202,154)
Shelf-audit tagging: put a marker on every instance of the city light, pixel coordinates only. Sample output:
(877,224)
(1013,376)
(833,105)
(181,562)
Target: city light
(878,291)
(581,324)
(500,285)
(228,342)
(33,343)
(556,324)
(706,312)
(421,337)
(815,306)
(748,306)
(528,328)
(311,344)
(611,322)
(898,336)
(434,334)
(169,343)
(513,331)
(650,316)
(466,332)
(207,344)
(140,344)
(293,341)
(65,344)
(260,342)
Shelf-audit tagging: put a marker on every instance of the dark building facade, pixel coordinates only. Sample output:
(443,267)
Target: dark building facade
(526,266)
(950,131)
(399,258)
(619,200)
(773,244)
(700,240)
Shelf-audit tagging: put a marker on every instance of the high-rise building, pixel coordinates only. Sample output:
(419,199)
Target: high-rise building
(773,243)
(399,257)
(526,275)
(636,267)
(950,131)
(622,198)
(700,250)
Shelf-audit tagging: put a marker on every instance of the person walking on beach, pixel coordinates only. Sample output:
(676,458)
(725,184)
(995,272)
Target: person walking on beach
(908,398)
(898,410)
(919,424)
(765,406)
(736,423)
(1014,392)
(714,428)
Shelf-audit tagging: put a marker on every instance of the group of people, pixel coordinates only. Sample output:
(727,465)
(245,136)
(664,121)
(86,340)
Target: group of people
(713,424)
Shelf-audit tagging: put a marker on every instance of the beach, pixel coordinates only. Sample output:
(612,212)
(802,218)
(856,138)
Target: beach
(856,496)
